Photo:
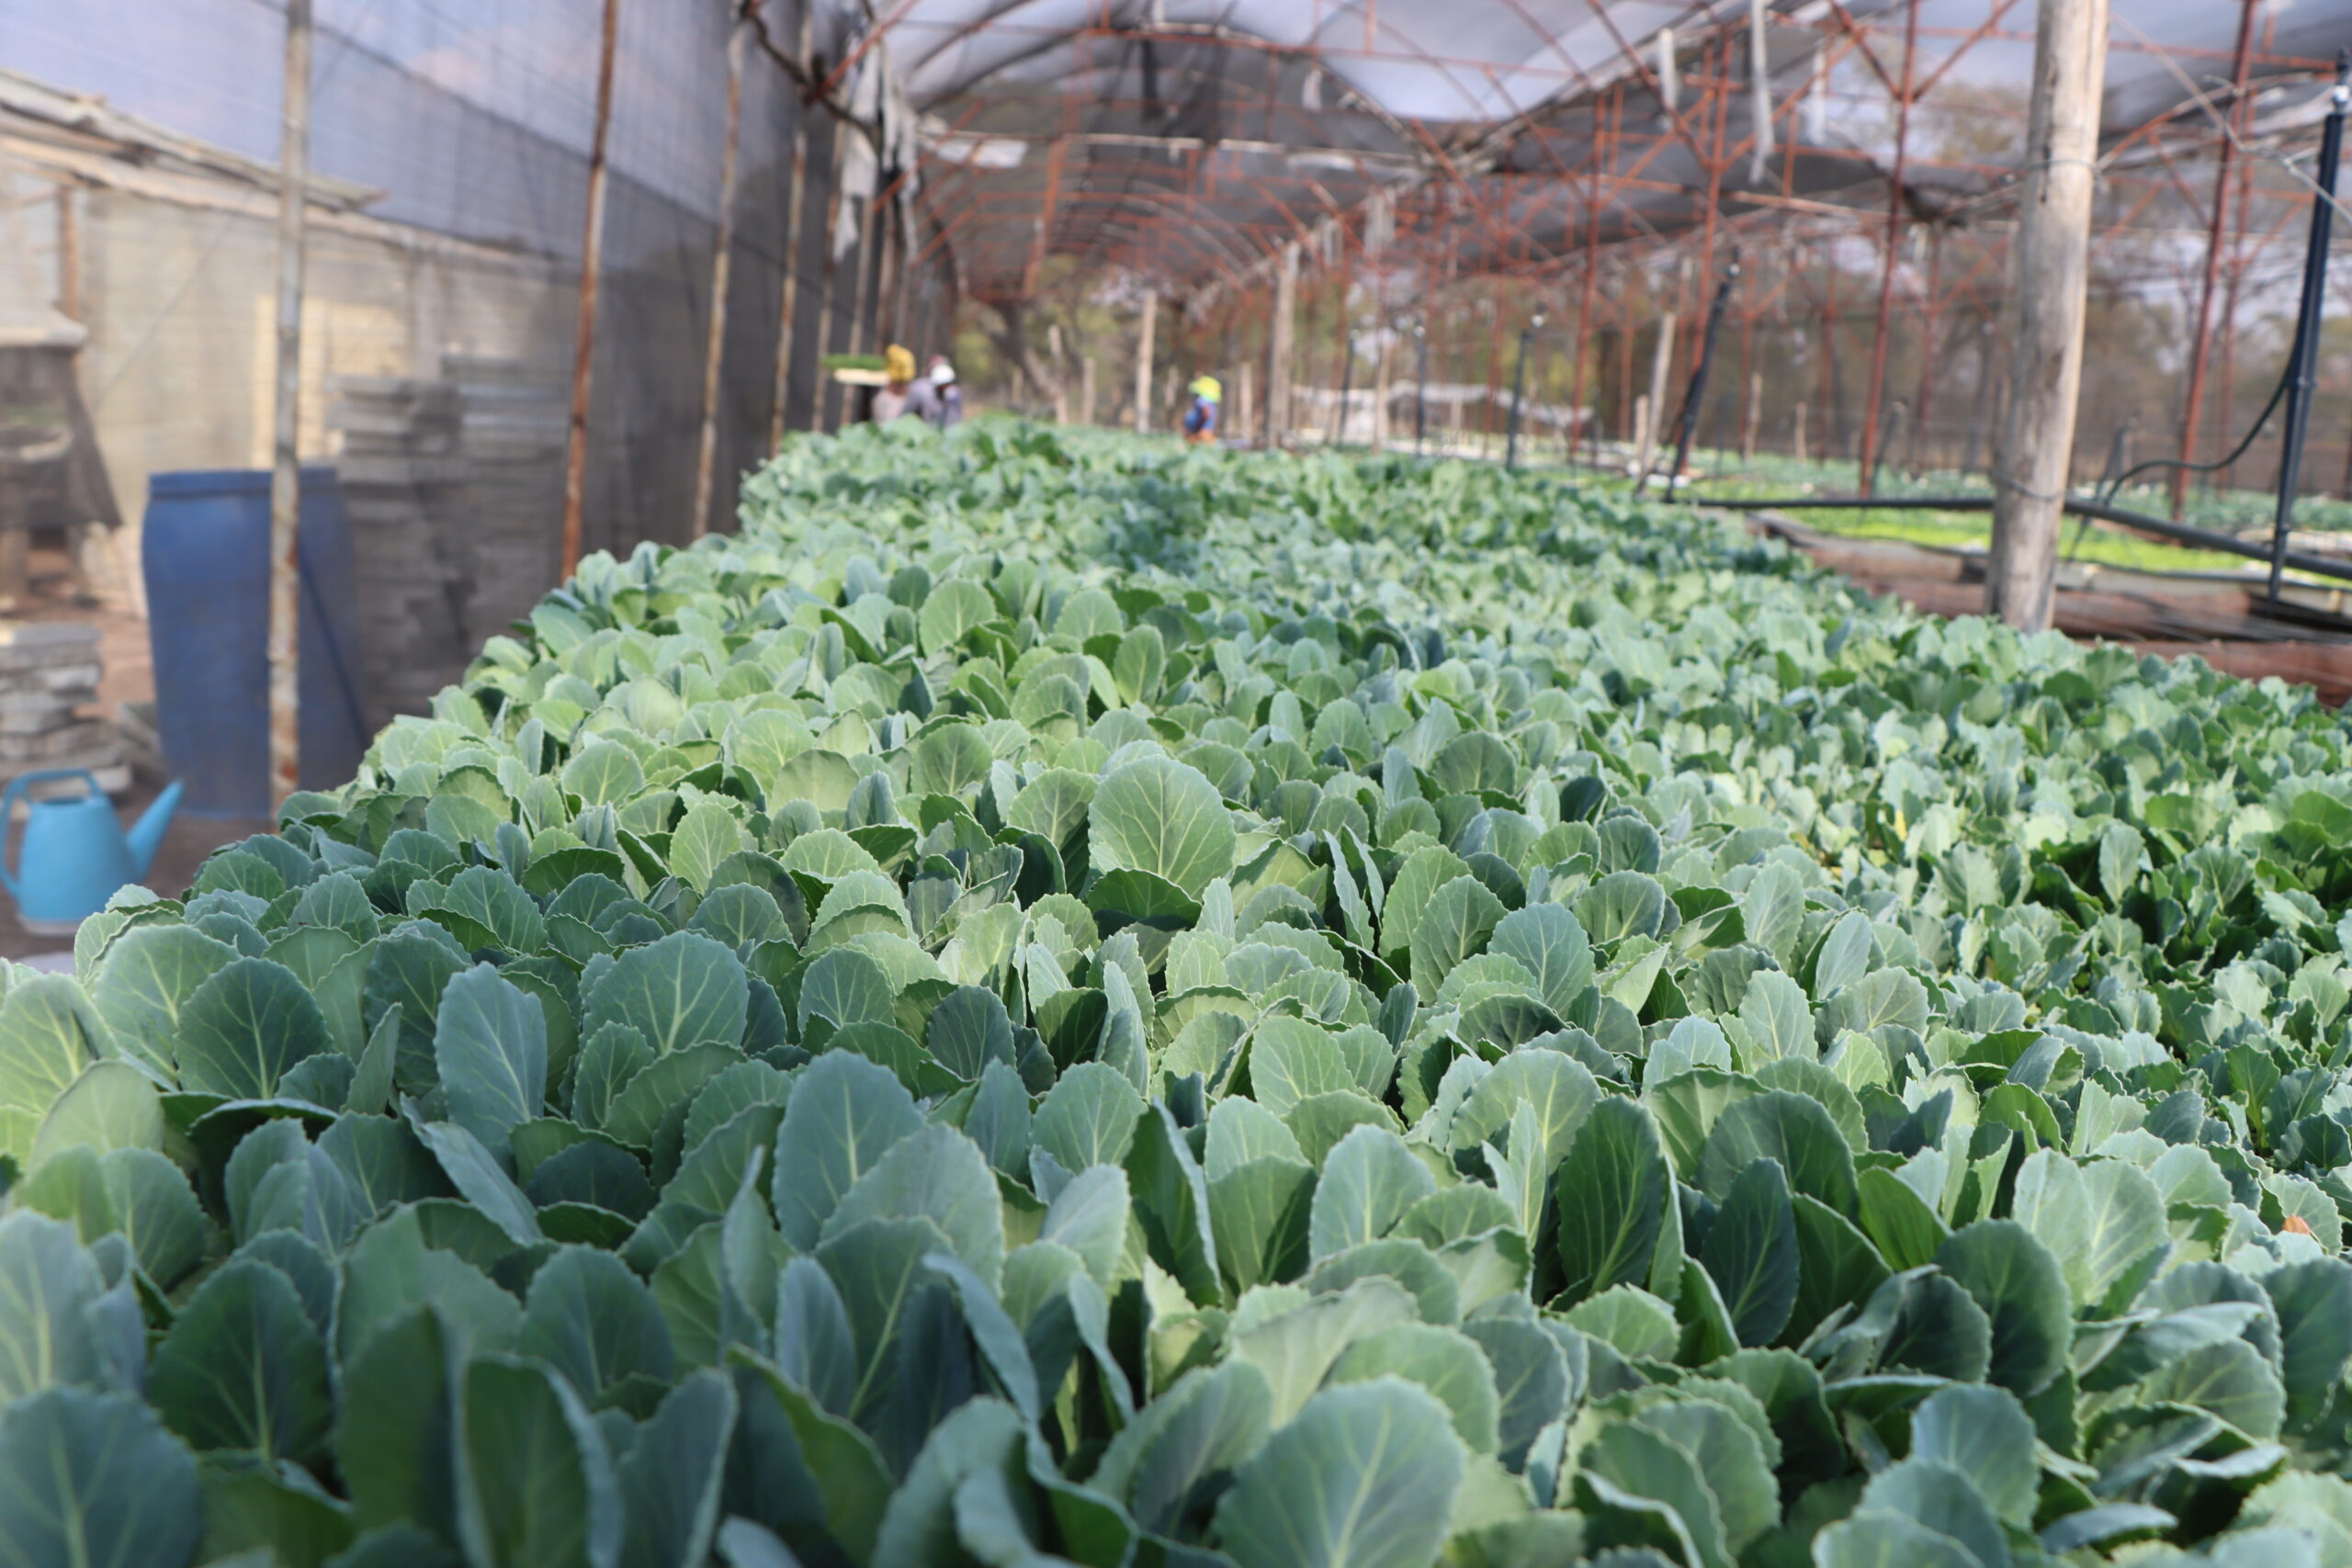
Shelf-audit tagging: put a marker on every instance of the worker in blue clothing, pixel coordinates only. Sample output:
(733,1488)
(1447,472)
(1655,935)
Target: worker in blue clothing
(1200,416)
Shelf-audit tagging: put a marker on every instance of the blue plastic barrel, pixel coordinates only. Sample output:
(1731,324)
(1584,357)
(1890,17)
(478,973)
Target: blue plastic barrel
(205,554)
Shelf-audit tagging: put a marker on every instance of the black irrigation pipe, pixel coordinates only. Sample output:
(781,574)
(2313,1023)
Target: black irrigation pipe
(2139,522)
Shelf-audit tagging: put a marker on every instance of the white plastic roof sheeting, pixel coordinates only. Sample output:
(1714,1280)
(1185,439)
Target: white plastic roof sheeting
(1188,137)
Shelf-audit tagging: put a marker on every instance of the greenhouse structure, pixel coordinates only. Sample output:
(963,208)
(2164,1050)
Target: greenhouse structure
(1175,783)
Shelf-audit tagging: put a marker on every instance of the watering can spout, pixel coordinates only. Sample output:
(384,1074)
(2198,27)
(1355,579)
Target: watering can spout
(147,835)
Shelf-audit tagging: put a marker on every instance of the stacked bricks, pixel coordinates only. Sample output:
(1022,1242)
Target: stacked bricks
(455,491)
(513,438)
(49,674)
(401,473)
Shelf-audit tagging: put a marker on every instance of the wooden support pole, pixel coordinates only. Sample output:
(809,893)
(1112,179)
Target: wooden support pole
(2037,442)
(2200,342)
(714,351)
(1278,350)
(861,300)
(1086,389)
(825,412)
(796,194)
(69,252)
(1755,412)
(1877,394)
(1661,362)
(1147,331)
(1930,350)
(1625,383)
(902,269)
(888,274)
(285,473)
(1799,449)
(592,256)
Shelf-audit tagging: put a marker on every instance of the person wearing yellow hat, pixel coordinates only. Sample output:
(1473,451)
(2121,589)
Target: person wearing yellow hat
(898,398)
(1200,416)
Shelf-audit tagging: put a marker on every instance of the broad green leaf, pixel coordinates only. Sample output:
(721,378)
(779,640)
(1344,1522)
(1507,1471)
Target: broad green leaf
(279,1513)
(1453,924)
(1366,1186)
(846,987)
(1985,1434)
(1258,1211)
(242,1029)
(2021,1287)
(1942,1498)
(1780,1023)
(243,1370)
(845,1114)
(935,1173)
(144,983)
(1364,1477)
(2315,1304)
(1294,1338)
(1751,1251)
(681,991)
(1444,1361)
(702,841)
(135,1193)
(878,1265)
(389,1272)
(593,1320)
(2096,1220)
(1166,1464)
(490,1046)
(851,1483)
(1879,1538)
(1791,1129)
(478,1177)
(2230,1377)
(47,1035)
(1837,1264)
(1556,1088)
(1730,1458)
(1156,815)
(1549,941)
(1088,1117)
(112,1105)
(669,1481)
(393,1441)
(534,1481)
(93,1479)
(1612,1191)
(1637,1481)
(954,608)
(1622,904)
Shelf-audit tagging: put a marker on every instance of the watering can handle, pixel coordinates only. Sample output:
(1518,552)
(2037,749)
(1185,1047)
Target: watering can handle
(8,808)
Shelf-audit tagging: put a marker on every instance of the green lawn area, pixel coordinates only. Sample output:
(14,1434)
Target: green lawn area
(1774,477)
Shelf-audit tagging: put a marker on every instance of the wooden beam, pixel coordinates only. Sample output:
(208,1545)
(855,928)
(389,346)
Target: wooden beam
(715,343)
(592,256)
(1278,352)
(2037,439)
(795,203)
(1147,330)
(285,473)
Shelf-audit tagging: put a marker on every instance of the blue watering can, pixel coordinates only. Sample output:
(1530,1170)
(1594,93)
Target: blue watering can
(75,853)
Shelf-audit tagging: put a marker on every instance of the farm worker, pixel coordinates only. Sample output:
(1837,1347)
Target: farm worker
(950,395)
(1200,416)
(898,366)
